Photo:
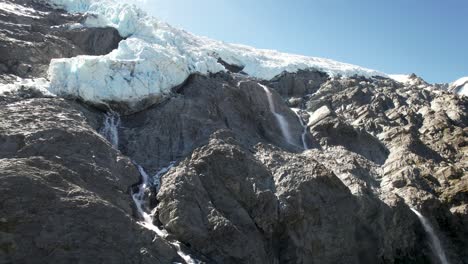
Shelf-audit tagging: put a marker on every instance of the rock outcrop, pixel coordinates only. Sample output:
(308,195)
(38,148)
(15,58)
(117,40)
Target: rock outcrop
(65,191)
(32,33)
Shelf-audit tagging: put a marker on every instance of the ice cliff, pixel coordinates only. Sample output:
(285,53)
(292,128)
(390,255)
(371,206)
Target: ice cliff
(155,57)
(460,86)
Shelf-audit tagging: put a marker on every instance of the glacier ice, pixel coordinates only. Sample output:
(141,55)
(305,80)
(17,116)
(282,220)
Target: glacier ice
(156,57)
(461,85)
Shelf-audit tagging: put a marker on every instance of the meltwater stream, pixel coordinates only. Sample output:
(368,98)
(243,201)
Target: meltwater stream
(110,131)
(304,125)
(283,124)
(139,196)
(435,242)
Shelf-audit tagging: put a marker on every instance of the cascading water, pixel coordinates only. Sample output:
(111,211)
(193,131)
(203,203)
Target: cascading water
(139,197)
(110,130)
(435,242)
(283,124)
(111,133)
(304,125)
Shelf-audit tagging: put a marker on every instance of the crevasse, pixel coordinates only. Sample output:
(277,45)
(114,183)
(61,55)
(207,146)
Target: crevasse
(155,57)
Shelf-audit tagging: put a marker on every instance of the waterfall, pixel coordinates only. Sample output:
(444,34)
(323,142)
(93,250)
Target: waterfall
(139,200)
(283,124)
(304,125)
(435,242)
(110,130)
(147,218)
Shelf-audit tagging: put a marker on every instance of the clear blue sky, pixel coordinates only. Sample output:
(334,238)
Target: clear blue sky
(427,37)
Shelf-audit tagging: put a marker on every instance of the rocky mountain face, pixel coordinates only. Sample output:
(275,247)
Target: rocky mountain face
(302,168)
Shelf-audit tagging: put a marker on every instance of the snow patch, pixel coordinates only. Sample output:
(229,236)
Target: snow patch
(403,78)
(460,86)
(409,79)
(20,10)
(40,85)
(156,57)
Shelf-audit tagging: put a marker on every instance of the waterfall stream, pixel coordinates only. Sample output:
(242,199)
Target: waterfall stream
(139,197)
(435,242)
(283,124)
(111,133)
(110,130)
(304,125)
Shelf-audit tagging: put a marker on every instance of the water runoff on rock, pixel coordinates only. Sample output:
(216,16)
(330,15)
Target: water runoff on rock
(283,124)
(304,125)
(140,198)
(110,131)
(435,242)
(281,120)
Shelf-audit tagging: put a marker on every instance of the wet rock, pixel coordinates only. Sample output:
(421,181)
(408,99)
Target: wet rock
(64,191)
(173,129)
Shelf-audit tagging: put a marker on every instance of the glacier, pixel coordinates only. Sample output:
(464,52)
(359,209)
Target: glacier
(155,57)
(461,85)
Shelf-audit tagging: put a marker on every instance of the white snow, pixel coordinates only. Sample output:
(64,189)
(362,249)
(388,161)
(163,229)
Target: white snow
(463,90)
(460,81)
(408,79)
(20,10)
(403,78)
(461,85)
(39,84)
(156,57)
